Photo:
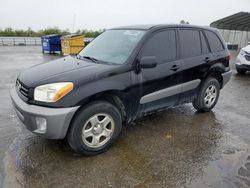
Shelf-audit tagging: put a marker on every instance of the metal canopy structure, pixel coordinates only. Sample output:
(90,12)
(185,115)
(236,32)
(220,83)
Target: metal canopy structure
(239,21)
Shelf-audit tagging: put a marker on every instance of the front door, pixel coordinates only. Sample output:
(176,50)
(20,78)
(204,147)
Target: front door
(158,87)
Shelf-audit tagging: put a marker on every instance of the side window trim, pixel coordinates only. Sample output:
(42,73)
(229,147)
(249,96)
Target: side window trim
(206,41)
(208,45)
(178,52)
(154,33)
(177,55)
(200,42)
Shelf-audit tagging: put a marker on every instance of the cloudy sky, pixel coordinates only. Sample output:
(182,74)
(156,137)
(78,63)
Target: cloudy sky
(98,14)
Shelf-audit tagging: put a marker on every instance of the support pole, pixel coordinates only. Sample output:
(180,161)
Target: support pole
(247,37)
(234,38)
(242,32)
(223,34)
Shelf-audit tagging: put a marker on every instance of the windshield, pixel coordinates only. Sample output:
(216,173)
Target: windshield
(113,46)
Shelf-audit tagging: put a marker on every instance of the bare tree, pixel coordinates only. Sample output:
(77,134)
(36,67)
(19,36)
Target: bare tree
(184,22)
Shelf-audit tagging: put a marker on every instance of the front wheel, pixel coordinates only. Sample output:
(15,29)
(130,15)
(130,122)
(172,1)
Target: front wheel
(95,128)
(207,96)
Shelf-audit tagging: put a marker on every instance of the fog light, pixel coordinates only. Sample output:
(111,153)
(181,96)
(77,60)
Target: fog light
(41,124)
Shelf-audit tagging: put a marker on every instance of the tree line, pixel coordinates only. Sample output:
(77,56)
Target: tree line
(9,32)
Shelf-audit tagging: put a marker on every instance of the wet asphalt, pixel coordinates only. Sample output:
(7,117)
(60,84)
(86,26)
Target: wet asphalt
(174,148)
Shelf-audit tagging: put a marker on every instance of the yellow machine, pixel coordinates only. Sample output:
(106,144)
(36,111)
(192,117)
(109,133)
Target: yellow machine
(72,44)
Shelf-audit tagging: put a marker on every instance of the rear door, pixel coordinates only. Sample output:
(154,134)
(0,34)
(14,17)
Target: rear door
(156,86)
(195,55)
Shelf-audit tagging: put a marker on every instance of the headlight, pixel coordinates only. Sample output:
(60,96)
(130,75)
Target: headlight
(242,52)
(52,92)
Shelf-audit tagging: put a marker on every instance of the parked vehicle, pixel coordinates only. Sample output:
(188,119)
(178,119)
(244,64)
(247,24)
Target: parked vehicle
(123,74)
(243,60)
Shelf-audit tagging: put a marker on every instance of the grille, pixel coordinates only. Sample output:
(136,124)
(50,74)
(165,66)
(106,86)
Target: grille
(24,91)
(247,57)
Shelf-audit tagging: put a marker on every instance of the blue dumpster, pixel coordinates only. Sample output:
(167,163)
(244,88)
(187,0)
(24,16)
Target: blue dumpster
(51,43)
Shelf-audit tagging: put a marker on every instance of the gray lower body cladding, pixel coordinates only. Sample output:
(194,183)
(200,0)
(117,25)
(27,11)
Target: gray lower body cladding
(243,67)
(181,88)
(174,90)
(47,122)
(226,77)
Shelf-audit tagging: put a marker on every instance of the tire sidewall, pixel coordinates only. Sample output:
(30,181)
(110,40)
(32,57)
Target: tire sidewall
(207,83)
(75,133)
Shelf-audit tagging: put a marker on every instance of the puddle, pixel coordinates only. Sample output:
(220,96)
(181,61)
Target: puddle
(175,148)
(229,169)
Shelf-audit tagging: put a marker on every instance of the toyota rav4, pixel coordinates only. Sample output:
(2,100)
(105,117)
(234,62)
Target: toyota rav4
(123,74)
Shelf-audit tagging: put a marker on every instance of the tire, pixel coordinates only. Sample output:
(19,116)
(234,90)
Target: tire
(94,128)
(240,71)
(208,95)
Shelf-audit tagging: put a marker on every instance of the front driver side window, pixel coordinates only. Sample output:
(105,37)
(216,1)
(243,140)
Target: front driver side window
(162,45)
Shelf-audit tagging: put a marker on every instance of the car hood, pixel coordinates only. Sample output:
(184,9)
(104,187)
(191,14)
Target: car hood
(66,69)
(247,49)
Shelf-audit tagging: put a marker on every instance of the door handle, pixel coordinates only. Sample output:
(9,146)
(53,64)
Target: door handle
(175,67)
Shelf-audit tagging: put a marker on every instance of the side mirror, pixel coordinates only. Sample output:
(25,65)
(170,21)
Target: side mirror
(148,62)
(248,43)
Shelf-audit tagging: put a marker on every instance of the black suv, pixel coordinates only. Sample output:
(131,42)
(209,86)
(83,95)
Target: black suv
(125,73)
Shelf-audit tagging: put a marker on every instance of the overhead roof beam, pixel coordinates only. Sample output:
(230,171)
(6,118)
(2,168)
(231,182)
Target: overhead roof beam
(239,21)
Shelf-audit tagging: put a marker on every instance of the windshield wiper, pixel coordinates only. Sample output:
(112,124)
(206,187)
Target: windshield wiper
(89,58)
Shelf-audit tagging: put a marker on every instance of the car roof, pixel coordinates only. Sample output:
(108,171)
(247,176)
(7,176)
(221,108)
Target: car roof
(155,26)
(141,27)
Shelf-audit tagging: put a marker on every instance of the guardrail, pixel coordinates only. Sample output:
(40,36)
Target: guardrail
(20,41)
(26,41)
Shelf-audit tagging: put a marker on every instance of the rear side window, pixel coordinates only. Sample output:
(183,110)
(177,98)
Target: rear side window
(214,42)
(162,45)
(205,49)
(190,44)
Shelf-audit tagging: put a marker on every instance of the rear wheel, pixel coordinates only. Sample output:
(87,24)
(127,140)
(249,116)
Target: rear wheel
(95,128)
(207,96)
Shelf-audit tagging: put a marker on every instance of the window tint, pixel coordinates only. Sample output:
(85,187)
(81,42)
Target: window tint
(162,45)
(214,42)
(205,49)
(190,44)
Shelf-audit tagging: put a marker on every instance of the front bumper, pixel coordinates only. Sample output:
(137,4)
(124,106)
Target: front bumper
(51,123)
(243,66)
(242,63)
